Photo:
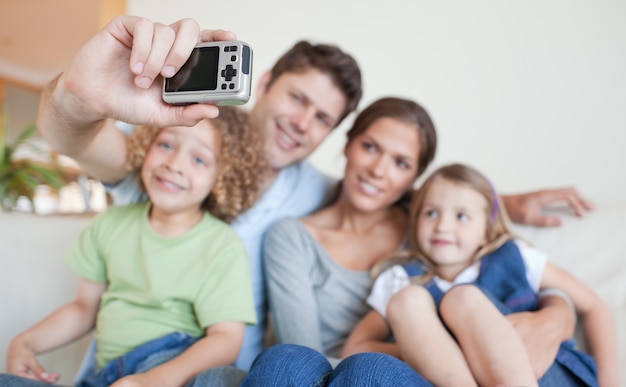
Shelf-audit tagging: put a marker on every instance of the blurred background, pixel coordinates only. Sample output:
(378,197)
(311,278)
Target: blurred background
(532,93)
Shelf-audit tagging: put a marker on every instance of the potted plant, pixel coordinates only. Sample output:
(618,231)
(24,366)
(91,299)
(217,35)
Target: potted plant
(20,177)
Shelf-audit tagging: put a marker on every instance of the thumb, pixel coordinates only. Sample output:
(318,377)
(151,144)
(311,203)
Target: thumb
(198,111)
(188,115)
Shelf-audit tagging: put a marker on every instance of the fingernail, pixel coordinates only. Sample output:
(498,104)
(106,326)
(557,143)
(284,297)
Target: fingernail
(44,375)
(168,71)
(144,82)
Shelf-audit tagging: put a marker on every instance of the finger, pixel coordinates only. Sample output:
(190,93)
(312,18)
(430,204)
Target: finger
(51,377)
(142,32)
(188,115)
(548,196)
(37,371)
(573,198)
(162,41)
(48,377)
(545,221)
(216,35)
(581,202)
(577,204)
(186,37)
(196,112)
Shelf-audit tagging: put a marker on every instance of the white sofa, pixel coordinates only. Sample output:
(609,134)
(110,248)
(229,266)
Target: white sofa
(34,280)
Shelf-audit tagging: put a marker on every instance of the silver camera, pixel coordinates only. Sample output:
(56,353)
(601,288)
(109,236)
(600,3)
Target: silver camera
(217,72)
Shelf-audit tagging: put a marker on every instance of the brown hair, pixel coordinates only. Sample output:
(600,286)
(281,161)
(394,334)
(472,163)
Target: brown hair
(329,59)
(242,162)
(498,228)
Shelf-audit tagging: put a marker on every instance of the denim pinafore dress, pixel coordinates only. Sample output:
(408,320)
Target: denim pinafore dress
(502,277)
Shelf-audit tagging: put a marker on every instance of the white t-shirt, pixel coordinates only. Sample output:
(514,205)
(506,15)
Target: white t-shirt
(396,278)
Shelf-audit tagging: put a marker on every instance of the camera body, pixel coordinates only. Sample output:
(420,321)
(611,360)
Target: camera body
(216,72)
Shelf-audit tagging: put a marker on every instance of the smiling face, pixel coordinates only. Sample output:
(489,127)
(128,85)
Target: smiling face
(382,164)
(297,111)
(451,226)
(181,166)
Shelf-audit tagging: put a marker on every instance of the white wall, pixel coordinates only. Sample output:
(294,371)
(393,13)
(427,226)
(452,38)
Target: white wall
(531,92)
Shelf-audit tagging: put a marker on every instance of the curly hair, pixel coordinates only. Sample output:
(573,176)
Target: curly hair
(242,162)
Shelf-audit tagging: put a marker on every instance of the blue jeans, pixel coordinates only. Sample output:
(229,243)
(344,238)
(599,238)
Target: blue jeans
(295,365)
(140,360)
(214,377)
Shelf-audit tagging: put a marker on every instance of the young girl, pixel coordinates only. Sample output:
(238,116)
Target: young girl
(472,272)
(165,282)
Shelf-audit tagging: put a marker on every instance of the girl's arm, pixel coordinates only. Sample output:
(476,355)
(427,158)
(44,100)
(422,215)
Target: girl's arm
(63,326)
(220,347)
(369,336)
(597,320)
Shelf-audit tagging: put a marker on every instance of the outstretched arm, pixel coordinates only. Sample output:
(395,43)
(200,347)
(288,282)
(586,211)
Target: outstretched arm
(63,326)
(527,208)
(116,76)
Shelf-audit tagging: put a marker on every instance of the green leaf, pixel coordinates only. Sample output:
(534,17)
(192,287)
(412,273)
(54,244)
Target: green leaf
(48,176)
(3,138)
(27,178)
(25,134)
(21,177)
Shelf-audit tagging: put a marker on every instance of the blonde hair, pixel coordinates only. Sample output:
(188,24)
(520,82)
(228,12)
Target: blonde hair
(498,227)
(242,162)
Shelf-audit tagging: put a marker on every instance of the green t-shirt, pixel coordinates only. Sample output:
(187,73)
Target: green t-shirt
(159,285)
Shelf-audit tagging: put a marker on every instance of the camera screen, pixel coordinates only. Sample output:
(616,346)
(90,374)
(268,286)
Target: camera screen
(198,73)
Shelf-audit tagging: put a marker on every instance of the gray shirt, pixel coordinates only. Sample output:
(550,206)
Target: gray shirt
(314,300)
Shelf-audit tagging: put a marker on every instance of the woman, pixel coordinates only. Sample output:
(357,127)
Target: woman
(318,267)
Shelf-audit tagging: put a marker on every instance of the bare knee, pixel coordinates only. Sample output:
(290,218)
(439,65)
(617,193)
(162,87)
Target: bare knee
(459,301)
(408,300)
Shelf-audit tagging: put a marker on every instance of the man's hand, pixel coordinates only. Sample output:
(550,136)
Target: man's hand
(542,348)
(117,76)
(528,208)
(543,331)
(116,73)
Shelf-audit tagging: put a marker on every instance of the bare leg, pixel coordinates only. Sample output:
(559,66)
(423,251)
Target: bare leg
(492,347)
(424,342)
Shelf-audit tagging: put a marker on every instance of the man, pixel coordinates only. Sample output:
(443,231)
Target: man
(308,92)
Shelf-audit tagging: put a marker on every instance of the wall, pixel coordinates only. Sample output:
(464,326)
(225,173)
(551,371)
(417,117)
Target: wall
(35,281)
(38,39)
(530,92)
